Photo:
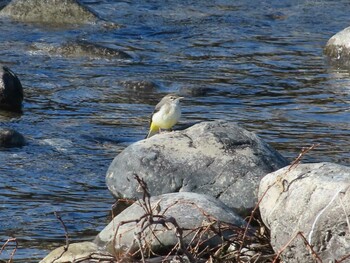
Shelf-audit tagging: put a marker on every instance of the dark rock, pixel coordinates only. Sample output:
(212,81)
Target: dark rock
(191,212)
(216,158)
(338,48)
(3,3)
(11,90)
(11,138)
(50,12)
(313,199)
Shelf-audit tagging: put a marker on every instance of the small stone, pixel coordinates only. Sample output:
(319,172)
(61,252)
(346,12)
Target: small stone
(81,48)
(77,252)
(11,138)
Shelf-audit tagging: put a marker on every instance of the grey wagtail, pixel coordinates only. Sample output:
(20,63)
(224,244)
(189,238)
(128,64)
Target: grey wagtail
(166,114)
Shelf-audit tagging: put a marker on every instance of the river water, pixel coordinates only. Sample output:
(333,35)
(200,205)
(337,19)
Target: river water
(258,63)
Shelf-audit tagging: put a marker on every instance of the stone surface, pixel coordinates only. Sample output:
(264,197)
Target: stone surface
(338,48)
(81,49)
(313,199)
(216,158)
(190,210)
(139,85)
(53,12)
(11,138)
(78,252)
(195,91)
(11,90)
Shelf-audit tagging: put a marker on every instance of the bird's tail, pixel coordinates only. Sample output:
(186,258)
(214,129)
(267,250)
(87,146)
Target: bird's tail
(152,130)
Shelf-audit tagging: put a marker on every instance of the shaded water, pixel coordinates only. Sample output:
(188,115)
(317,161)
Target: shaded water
(256,63)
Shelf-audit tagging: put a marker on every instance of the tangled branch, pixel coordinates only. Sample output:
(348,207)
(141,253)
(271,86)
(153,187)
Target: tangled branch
(194,250)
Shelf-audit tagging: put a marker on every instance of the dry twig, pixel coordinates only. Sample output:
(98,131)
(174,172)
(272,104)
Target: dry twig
(196,248)
(65,248)
(284,182)
(307,244)
(303,152)
(13,251)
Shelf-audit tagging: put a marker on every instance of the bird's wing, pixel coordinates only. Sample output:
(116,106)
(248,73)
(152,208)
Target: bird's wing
(156,109)
(158,106)
(153,128)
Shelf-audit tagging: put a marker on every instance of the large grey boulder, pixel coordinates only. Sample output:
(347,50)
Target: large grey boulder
(11,90)
(216,158)
(53,12)
(338,48)
(189,211)
(313,199)
(11,138)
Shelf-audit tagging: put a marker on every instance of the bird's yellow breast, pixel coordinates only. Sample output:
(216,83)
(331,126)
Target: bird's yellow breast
(166,117)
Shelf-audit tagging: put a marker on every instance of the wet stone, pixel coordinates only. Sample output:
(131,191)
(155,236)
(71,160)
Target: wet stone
(52,12)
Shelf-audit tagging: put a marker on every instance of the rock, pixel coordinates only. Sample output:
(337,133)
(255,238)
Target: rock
(82,48)
(216,158)
(50,12)
(78,252)
(138,91)
(138,85)
(3,3)
(11,138)
(191,211)
(195,91)
(311,198)
(85,48)
(338,48)
(11,90)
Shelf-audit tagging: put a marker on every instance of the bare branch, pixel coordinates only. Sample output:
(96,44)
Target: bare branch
(13,251)
(343,259)
(303,152)
(65,248)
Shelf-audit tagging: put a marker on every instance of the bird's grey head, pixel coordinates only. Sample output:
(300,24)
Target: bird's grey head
(173,98)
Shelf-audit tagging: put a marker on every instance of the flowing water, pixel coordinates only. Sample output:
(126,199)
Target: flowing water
(257,63)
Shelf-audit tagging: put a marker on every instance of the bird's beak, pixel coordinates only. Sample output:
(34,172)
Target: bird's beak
(180,98)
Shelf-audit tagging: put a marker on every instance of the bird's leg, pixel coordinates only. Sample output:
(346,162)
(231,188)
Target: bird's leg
(164,130)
